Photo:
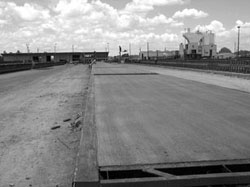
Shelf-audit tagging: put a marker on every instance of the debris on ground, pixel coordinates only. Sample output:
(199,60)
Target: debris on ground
(66,120)
(55,127)
(77,121)
(77,116)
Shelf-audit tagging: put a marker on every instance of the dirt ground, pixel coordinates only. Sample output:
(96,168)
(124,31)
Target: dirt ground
(31,102)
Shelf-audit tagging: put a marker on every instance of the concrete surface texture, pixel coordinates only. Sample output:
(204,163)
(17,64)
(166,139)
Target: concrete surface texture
(212,78)
(116,69)
(31,102)
(143,119)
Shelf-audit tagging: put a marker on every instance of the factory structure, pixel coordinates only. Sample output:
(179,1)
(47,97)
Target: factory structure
(70,57)
(157,55)
(198,45)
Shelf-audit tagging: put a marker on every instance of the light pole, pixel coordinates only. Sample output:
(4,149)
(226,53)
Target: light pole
(238,41)
(55,47)
(108,47)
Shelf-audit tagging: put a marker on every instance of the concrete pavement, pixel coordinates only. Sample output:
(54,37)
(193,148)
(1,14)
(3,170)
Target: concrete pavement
(147,119)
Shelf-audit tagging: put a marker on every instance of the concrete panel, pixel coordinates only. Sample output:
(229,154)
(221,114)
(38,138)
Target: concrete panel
(159,119)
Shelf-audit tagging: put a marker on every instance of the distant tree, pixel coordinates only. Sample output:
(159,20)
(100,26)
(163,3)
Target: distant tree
(4,52)
(18,51)
(225,50)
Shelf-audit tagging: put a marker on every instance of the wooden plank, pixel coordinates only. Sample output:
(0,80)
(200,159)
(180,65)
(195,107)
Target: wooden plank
(177,165)
(190,180)
(159,173)
(86,172)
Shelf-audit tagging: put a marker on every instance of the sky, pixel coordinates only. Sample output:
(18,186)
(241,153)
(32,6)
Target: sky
(101,25)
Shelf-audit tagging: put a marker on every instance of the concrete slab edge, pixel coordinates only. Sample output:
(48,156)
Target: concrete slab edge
(86,171)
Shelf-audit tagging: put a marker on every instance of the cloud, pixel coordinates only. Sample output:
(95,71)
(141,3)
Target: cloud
(227,37)
(86,24)
(26,12)
(243,25)
(215,26)
(73,8)
(244,32)
(160,2)
(160,20)
(166,37)
(218,28)
(145,6)
(190,13)
(133,7)
(3,22)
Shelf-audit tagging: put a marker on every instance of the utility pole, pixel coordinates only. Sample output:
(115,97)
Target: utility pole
(238,41)
(55,48)
(28,48)
(129,49)
(37,50)
(120,53)
(140,53)
(108,47)
(73,48)
(148,50)
(185,30)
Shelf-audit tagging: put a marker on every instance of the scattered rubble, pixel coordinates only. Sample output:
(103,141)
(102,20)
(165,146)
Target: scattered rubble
(76,122)
(55,127)
(66,120)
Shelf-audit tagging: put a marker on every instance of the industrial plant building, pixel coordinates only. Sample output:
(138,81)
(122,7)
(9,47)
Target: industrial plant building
(153,55)
(199,45)
(71,57)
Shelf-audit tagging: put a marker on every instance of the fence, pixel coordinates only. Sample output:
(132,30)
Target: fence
(12,67)
(239,66)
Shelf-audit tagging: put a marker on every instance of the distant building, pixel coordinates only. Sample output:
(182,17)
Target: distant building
(134,57)
(153,55)
(199,45)
(225,55)
(72,57)
(1,58)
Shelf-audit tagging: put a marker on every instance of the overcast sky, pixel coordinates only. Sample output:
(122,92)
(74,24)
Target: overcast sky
(92,25)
